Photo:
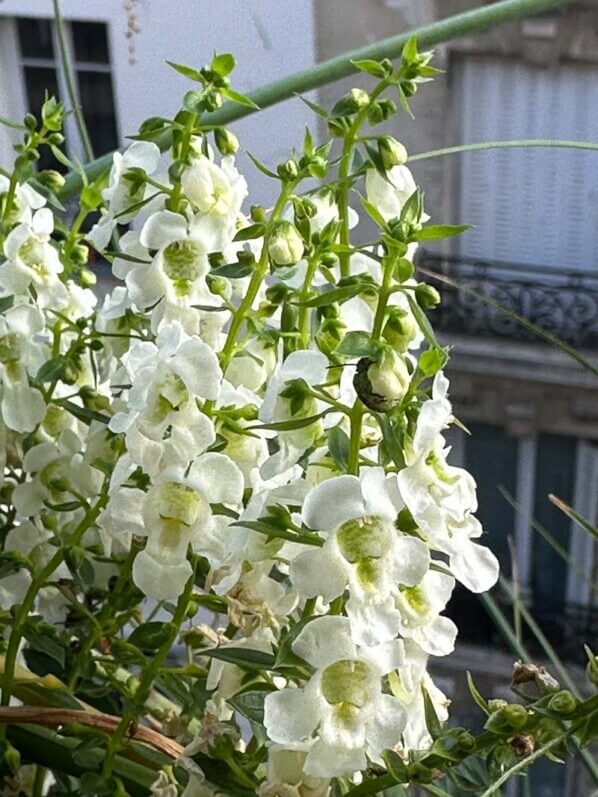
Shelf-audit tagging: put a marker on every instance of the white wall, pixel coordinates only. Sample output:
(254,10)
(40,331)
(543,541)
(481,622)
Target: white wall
(269,38)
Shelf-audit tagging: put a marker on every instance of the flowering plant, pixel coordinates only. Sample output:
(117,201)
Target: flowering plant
(229,527)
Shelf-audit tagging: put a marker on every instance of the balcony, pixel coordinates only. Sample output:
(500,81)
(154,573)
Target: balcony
(562,302)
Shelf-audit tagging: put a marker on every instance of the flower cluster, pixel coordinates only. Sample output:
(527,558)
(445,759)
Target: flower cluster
(251,422)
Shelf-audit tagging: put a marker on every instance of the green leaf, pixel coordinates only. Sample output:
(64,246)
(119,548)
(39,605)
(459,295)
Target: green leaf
(374,213)
(436,232)
(317,109)
(341,294)
(358,344)
(432,722)
(262,167)
(151,636)
(422,321)
(42,637)
(396,766)
(275,532)
(245,658)
(51,370)
(232,270)
(250,701)
(223,64)
(187,71)
(61,157)
(432,360)
(292,423)
(409,53)
(436,791)
(251,232)
(477,697)
(404,102)
(391,440)
(338,445)
(371,67)
(13,125)
(82,413)
(239,99)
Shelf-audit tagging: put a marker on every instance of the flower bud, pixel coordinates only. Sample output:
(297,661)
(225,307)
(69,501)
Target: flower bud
(226,141)
(427,296)
(360,98)
(217,285)
(52,179)
(392,152)
(563,702)
(257,213)
(382,384)
(30,122)
(288,171)
(277,293)
(400,329)
(80,254)
(285,246)
(506,719)
(56,139)
(87,278)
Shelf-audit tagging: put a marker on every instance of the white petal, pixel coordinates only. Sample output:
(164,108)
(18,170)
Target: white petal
(373,623)
(289,715)
(218,478)
(438,637)
(412,560)
(43,222)
(22,407)
(160,581)
(376,493)
(385,657)
(198,367)
(318,572)
(325,640)
(474,566)
(334,501)
(28,498)
(142,155)
(327,761)
(163,228)
(311,366)
(385,729)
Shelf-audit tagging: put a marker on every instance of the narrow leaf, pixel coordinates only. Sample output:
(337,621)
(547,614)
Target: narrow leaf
(239,99)
(187,71)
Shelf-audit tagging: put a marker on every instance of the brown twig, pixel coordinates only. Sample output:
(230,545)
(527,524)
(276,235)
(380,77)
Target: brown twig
(53,717)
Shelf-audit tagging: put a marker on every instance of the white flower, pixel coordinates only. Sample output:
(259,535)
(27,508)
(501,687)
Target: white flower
(390,193)
(342,703)
(164,425)
(26,200)
(31,260)
(442,498)
(121,194)
(285,773)
(363,550)
(420,608)
(217,193)
(309,367)
(176,513)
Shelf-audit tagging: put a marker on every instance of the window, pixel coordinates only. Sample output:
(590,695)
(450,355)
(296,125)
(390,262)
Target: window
(42,70)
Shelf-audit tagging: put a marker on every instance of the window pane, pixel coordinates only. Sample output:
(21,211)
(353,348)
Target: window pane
(91,42)
(555,473)
(35,38)
(38,80)
(97,101)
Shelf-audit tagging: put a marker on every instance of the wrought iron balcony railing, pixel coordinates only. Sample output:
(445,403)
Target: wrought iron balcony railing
(562,302)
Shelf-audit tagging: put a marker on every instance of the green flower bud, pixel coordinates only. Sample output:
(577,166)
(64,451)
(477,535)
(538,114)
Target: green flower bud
(466,742)
(383,384)
(52,179)
(217,285)
(226,141)
(507,719)
(427,296)
(360,98)
(563,702)
(400,329)
(285,246)
(257,213)
(80,254)
(547,730)
(496,704)
(288,171)
(30,122)
(56,139)
(392,152)
(277,293)
(338,127)
(87,278)
(329,259)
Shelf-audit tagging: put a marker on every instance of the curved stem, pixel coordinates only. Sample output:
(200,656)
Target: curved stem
(304,311)
(70,83)
(520,143)
(477,19)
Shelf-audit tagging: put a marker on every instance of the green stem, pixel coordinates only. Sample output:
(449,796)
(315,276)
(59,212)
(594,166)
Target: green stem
(304,312)
(343,173)
(27,605)
(70,83)
(511,144)
(38,781)
(175,199)
(454,27)
(147,679)
(259,274)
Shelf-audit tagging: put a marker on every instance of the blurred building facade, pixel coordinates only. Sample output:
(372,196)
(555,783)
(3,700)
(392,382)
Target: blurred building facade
(531,408)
